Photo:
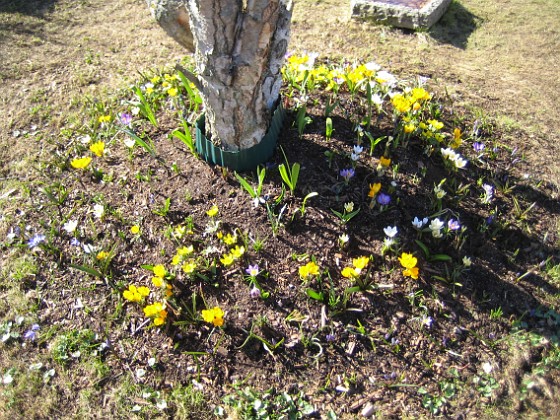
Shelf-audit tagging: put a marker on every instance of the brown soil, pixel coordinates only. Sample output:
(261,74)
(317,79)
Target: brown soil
(443,334)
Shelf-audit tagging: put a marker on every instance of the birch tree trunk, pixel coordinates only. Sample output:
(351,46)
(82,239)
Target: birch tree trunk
(239,49)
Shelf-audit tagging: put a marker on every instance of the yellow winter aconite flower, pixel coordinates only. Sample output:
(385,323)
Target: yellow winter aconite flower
(408,260)
(102,255)
(104,119)
(185,250)
(401,103)
(360,263)
(349,272)
(157,281)
(213,211)
(457,140)
(134,294)
(411,272)
(156,311)
(385,162)
(213,316)
(159,270)
(237,252)
(155,80)
(309,269)
(189,267)
(80,163)
(437,125)
(135,230)
(409,128)
(420,94)
(374,189)
(230,239)
(172,92)
(227,260)
(97,148)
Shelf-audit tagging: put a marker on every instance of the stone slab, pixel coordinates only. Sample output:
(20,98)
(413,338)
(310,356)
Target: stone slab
(410,14)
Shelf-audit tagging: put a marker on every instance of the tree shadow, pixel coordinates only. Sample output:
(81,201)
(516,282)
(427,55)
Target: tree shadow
(37,8)
(505,273)
(455,26)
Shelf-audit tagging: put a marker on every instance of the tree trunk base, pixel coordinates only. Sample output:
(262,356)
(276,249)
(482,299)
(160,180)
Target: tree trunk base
(245,159)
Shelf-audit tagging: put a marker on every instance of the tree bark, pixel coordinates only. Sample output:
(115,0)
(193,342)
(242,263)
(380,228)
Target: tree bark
(239,49)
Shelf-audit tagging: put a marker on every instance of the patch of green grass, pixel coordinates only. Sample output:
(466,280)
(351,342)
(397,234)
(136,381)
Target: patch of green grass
(248,403)
(73,345)
(29,393)
(553,271)
(188,403)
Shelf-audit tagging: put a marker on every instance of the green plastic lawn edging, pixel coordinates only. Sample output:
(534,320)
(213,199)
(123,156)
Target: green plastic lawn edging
(240,160)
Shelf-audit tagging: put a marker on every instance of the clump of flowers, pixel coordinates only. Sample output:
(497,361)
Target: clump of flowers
(308,270)
(157,312)
(450,155)
(390,238)
(347,174)
(419,223)
(136,294)
(358,266)
(214,316)
(234,254)
(356,153)
(488,194)
(409,262)
(436,225)
(256,290)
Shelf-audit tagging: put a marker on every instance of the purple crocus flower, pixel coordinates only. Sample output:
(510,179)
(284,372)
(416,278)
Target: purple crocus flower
(383,199)
(255,292)
(347,174)
(253,270)
(31,334)
(478,146)
(330,338)
(453,224)
(36,240)
(75,242)
(125,118)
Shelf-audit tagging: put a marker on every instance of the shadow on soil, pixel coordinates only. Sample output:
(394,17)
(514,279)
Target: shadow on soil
(455,26)
(37,8)
(508,254)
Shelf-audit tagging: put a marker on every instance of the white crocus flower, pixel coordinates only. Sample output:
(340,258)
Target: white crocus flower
(460,163)
(417,223)
(391,231)
(435,226)
(98,211)
(70,226)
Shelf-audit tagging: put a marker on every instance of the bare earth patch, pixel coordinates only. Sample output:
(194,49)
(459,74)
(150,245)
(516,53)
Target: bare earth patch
(461,341)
